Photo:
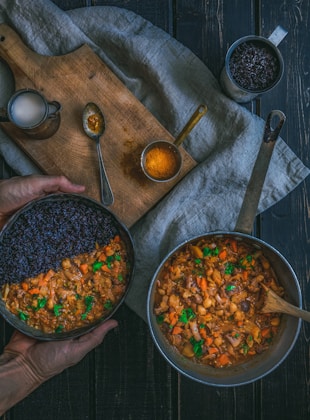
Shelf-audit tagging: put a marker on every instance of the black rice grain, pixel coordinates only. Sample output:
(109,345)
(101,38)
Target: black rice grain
(254,66)
(49,231)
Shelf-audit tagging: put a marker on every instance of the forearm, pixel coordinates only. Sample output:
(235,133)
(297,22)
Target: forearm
(16,381)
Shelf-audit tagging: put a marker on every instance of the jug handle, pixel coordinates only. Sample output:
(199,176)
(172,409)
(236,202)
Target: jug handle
(53,108)
(277,35)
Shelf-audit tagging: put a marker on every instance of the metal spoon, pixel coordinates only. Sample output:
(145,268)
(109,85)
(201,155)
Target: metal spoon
(94,126)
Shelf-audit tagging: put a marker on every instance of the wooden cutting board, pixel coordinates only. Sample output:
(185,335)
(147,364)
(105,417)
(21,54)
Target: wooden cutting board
(74,80)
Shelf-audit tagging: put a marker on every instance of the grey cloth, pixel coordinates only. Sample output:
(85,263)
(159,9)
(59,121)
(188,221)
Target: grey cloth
(171,82)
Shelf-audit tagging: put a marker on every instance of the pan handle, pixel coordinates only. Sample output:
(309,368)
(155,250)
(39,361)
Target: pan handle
(253,192)
(271,134)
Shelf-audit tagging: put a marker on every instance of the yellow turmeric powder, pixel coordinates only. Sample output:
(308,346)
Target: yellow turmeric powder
(94,122)
(161,163)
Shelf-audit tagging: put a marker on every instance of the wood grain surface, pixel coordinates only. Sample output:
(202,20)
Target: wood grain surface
(74,80)
(126,378)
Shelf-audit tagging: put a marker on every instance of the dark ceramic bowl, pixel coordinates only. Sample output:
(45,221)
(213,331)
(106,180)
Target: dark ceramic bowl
(51,229)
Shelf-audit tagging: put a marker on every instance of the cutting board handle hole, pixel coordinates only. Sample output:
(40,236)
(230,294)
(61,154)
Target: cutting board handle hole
(2,38)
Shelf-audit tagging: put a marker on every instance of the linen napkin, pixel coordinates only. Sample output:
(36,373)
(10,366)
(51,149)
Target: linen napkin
(170,81)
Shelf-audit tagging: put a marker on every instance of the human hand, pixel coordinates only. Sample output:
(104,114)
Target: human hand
(17,191)
(26,363)
(49,358)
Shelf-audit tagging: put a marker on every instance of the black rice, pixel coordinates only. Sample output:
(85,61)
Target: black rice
(254,66)
(48,231)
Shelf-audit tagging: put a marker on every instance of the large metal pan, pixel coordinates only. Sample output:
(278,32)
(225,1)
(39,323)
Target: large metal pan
(8,235)
(265,363)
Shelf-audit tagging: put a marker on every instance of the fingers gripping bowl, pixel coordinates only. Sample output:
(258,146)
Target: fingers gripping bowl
(66,266)
(193,342)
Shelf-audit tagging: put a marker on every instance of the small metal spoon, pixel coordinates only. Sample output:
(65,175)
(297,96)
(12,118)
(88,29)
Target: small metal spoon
(94,126)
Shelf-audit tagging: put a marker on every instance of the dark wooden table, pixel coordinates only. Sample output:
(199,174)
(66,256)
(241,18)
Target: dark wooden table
(126,377)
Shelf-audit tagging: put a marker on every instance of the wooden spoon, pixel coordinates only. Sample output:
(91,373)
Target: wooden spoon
(275,303)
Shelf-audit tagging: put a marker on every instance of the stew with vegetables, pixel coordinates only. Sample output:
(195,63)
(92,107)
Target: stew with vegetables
(208,298)
(86,288)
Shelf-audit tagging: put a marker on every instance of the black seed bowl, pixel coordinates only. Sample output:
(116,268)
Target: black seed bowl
(44,232)
(254,66)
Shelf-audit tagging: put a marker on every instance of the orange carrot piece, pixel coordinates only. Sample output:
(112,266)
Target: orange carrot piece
(203,333)
(102,257)
(34,291)
(176,330)
(223,254)
(105,268)
(203,284)
(213,350)
(208,340)
(84,268)
(173,318)
(266,332)
(245,275)
(234,246)
(108,250)
(223,360)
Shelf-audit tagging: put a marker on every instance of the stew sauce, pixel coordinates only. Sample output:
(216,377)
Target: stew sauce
(86,288)
(208,299)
